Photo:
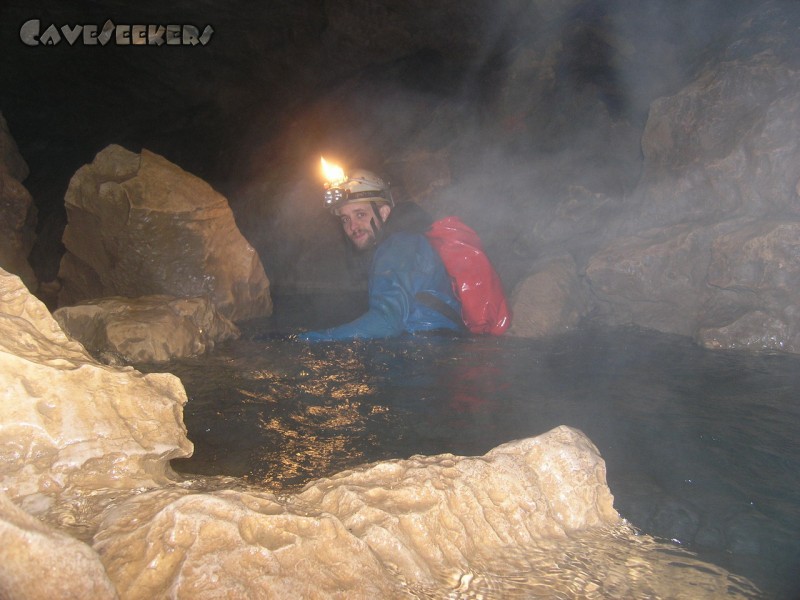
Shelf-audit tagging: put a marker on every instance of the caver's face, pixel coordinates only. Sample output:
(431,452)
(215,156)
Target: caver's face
(357,218)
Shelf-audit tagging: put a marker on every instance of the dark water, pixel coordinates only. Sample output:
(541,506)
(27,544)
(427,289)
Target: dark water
(701,447)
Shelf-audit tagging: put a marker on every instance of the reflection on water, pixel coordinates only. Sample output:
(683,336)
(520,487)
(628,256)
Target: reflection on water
(701,447)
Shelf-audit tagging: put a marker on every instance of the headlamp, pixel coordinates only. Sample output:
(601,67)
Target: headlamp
(336,196)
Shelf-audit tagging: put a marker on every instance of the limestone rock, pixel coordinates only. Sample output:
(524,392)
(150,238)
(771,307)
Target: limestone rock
(432,527)
(756,275)
(17,211)
(367,529)
(653,280)
(139,225)
(759,257)
(40,562)
(66,421)
(726,145)
(549,300)
(146,329)
(755,330)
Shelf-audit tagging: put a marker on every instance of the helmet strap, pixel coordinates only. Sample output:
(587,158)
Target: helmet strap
(377,212)
(377,215)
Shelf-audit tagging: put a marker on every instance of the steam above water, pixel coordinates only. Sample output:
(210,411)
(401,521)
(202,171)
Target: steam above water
(509,103)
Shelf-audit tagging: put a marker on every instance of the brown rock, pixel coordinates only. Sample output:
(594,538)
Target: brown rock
(757,331)
(146,329)
(139,225)
(653,280)
(549,300)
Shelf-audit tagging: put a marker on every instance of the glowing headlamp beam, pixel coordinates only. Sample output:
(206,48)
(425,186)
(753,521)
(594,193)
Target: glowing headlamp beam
(333,173)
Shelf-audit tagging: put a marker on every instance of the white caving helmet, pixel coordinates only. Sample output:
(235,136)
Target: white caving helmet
(359,185)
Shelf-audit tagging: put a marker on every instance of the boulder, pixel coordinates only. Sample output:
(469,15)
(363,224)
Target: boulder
(67,422)
(139,225)
(146,329)
(549,300)
(17,211)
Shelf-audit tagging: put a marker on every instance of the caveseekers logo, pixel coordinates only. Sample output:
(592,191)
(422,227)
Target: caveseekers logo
(31,34)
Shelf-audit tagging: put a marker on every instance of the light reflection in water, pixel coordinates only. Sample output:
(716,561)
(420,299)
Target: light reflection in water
(701,447)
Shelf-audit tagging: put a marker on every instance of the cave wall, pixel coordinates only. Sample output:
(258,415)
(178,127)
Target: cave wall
(553,128)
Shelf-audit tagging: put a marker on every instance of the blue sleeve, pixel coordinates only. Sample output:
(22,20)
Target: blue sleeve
(391,294)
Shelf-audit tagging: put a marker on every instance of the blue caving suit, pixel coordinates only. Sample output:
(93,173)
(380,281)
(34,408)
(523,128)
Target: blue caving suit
(405,270)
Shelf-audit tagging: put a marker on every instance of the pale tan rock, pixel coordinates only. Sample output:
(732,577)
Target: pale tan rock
(146,329)
(549,300)
(40,563)
(68,422)
(363,532)
(139,225)
(233,545)
(531,518)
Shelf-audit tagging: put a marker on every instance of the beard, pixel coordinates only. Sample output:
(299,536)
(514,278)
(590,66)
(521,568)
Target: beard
(362,240)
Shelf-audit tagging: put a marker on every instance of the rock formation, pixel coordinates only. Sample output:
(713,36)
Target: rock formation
(146,329)
(139,225)
(717,257)
(67,422)
(17,211)
(549,300)
(86,450)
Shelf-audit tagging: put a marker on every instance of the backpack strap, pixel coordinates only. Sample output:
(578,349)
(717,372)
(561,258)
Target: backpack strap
(442,307)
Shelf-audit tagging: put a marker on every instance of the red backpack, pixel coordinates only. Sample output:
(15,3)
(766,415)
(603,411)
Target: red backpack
(475,282)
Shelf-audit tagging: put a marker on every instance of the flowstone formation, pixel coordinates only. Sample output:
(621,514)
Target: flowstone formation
(139,225)
(89,507)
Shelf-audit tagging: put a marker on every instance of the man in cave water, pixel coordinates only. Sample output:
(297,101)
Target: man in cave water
(409,288)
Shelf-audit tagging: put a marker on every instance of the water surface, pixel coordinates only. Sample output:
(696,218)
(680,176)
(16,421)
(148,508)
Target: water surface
(701,446)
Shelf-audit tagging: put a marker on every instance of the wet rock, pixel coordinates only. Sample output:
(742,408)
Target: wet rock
(549,300)
(17,211)
(139,225)
(759,258)
(367,529)
(755,330)
(490,526)
(67,422)
(146,329)
(653,280)
(40,562)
